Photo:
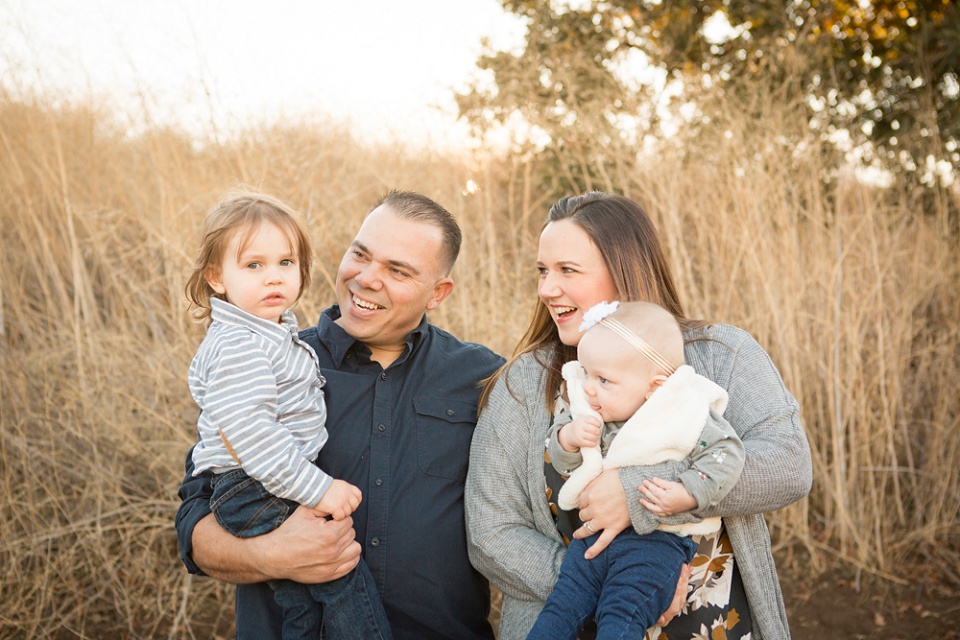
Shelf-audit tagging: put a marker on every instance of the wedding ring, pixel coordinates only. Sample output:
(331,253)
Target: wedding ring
(588,526)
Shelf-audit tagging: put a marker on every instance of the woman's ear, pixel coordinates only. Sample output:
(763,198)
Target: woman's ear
(655,384)
(212,276)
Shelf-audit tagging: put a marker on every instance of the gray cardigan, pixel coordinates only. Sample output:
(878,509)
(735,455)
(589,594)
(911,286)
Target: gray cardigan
(512,537)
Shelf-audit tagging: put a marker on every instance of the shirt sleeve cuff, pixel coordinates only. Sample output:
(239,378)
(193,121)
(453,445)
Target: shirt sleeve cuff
(697,487)
(195,495)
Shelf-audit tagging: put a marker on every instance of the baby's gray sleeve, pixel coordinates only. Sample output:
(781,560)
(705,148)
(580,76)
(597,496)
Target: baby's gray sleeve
(716,463)
(563,461)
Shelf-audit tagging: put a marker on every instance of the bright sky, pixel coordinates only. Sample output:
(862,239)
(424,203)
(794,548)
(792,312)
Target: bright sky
(389,66)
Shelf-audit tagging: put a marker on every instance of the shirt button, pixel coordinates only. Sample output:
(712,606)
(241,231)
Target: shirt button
(378,482)
(449,412)
(375,542)
(383,376)
(382,427)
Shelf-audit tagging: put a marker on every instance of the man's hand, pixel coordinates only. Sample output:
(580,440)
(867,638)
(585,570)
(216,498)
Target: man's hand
(665,498)
(603,506)
(309,549)
(582,432)
(306,548)
(340,500)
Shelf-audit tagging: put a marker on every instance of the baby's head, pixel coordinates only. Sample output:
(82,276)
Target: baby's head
(627,355)
(255,254)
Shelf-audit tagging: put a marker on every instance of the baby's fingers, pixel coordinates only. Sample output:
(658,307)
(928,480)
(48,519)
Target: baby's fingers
(661,483)
(655,509)
(651,492)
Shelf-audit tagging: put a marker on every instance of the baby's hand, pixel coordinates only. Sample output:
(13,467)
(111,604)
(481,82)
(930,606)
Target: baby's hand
(665,498)
(340,500)
(582,432)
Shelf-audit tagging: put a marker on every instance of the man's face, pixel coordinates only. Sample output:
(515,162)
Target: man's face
(391,274)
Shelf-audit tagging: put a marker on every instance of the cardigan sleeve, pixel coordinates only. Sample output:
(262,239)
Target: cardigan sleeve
(502,536)
(777,468)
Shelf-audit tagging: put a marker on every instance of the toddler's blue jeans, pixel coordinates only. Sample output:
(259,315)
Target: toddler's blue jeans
(349,607)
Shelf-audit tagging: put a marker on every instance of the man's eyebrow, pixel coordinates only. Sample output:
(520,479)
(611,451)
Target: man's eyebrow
(399,264)
(405,266)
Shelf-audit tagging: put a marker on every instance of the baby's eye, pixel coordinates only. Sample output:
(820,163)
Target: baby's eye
(253,265)
(602,380)
(286,263)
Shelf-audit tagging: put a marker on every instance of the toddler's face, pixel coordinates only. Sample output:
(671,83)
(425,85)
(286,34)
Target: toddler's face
(262,277)
(618,378)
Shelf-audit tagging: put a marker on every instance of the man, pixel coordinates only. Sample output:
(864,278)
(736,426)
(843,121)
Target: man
(402,405)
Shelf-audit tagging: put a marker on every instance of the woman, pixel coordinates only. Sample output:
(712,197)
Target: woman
(600,247)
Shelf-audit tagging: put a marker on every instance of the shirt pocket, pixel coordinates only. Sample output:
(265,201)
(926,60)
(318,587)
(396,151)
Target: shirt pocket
(444,431)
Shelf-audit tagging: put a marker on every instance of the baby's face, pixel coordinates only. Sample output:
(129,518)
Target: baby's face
(618,378)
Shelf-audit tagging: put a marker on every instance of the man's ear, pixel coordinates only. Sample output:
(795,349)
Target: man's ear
(441,290)
(213,278)
(655,384)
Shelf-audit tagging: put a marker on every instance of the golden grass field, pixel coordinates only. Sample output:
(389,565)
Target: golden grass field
(853,290)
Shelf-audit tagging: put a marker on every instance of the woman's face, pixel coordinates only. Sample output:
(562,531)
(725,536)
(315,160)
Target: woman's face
(573,277)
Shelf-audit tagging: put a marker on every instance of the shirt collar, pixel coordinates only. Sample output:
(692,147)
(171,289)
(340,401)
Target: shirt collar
(339,343)
(223,311)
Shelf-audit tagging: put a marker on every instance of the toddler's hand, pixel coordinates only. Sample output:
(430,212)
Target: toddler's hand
(665,498)
(584,431)
(340,500)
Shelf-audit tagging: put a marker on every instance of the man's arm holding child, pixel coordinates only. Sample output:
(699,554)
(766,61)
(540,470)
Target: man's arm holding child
(307,547)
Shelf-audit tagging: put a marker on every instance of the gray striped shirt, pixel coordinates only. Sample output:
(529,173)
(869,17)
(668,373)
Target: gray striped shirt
(260,393)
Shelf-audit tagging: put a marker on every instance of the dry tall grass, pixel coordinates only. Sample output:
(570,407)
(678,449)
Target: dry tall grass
(852,290)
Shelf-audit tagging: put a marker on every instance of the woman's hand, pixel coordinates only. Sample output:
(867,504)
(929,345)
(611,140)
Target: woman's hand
(603,510)
(679,598)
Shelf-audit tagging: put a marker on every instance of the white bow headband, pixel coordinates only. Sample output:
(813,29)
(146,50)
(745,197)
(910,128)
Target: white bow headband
(598,314)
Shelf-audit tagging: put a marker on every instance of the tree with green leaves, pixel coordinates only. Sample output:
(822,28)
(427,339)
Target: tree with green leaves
(883,72)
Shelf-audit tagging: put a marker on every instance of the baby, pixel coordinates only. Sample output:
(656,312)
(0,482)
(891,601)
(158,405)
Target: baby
(633,402)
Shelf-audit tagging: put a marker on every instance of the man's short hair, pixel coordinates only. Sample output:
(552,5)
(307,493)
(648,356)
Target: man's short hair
(414,206)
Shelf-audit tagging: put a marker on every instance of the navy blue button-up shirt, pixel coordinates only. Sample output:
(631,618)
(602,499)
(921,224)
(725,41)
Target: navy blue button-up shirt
(402,435)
